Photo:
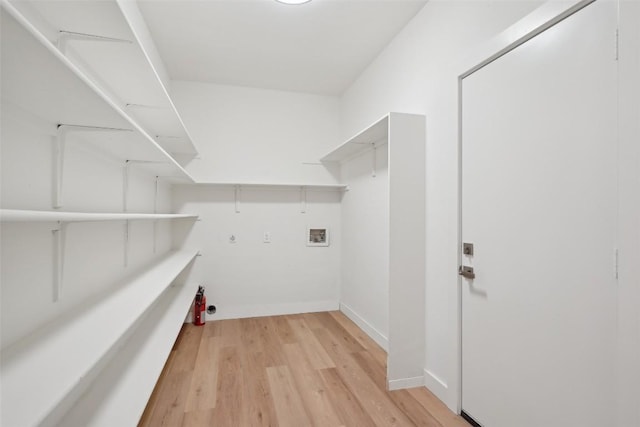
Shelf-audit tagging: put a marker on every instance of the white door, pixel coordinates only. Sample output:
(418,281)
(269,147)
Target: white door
(538,202)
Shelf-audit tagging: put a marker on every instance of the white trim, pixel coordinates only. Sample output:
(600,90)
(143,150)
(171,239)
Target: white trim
(435,385)
(369,329)
(245,311)
(271,185)
(17,215)
(405,383)
(541,19)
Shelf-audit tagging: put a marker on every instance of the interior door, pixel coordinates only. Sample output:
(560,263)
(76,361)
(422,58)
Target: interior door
(538,203)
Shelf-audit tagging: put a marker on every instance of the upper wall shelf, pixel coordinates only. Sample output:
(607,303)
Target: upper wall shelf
(45,86)
(283,186)
(109,41)
(120,393)
(373,135)
(15,215)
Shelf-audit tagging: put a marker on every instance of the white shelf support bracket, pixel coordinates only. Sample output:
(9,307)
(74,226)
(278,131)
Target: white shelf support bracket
(58,165)
(374,159)
(155,211)
(237,194)
(126,243)
(59,154)
(125,204)
(66,36)
(125,185)
(303,199)
(168,137)
(125,207)
(59,238)
(152,107)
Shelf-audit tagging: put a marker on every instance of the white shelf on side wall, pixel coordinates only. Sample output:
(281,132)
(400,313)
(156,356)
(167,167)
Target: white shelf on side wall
(16,215)
(374,135)
(281,186)
(59,99)
(121,392)
(110,42)
(64,357)
(403,136)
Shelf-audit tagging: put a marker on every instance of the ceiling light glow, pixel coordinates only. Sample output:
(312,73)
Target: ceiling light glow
(293,1)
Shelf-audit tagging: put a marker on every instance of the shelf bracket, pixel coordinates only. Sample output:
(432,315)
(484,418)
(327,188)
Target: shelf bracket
(58,165)
(125,204)
(125,208)
(155,211)
(303,199)
(126,242)
(59,240)
(65,36)
(59,152)
(374,159)
(152,107)
(237,194)
(125,179)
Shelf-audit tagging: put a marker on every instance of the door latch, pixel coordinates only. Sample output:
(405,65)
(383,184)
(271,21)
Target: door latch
(466,272)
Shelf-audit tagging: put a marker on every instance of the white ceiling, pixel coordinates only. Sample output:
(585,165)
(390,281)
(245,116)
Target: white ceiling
(318,47)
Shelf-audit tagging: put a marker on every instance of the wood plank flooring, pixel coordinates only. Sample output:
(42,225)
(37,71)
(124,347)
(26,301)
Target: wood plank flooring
(316,369)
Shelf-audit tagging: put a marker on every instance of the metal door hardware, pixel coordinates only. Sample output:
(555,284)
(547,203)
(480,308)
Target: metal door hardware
(466,272)
(467,248)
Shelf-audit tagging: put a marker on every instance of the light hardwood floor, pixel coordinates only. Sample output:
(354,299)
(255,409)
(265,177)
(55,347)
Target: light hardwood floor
(316,369)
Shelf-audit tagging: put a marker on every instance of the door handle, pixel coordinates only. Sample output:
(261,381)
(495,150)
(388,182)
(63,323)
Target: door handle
(466,272)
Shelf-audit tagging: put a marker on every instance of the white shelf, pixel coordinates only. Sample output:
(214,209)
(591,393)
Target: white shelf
(43,374)
(126,70)
(273,185)
(16,215)
(121,392)
(38,79)
(374,135)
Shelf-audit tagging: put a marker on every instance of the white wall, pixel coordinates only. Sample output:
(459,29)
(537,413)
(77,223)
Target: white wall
(364,292)
(253,135)
(416,74)
(94,252)
(628,368)
(249,277)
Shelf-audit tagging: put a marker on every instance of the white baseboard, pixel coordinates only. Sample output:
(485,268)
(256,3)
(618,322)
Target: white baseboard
(436,385)
(244,311)
(405,383)
(373,333)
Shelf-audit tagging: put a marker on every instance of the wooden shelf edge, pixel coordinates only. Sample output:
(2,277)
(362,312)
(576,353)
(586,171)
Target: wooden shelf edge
(17,215)
(98,328)
(22,20)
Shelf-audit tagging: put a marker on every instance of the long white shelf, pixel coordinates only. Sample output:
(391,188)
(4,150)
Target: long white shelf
(373,135)
(124,68)
(46,372)
(307,186)
(39,79)
(120,394)
(16,215)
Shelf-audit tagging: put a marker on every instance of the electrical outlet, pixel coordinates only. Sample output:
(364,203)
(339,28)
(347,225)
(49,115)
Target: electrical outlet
(232,238)
(267,237)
